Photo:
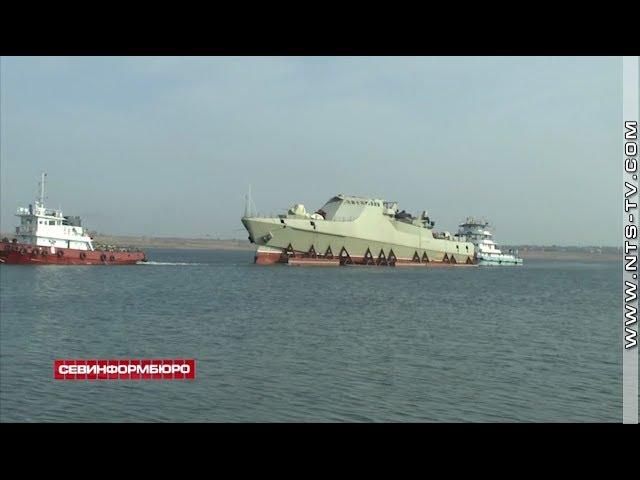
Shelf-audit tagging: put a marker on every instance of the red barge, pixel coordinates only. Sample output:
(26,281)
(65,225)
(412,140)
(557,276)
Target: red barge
(46,237)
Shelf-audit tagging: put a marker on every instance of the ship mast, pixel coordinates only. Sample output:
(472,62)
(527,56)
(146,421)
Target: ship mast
(249,206)
(42,176)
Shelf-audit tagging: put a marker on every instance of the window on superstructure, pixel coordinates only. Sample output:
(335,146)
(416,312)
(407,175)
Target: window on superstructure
(52,222)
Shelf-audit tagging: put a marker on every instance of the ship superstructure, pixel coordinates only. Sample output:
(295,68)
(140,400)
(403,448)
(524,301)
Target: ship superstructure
(478,231)
(350,230)
(46,227)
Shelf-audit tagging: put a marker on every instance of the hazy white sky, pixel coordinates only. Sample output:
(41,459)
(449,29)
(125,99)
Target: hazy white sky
(168,146)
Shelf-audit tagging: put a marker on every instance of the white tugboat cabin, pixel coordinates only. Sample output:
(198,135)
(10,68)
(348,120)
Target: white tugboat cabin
(46,227)
(478,232)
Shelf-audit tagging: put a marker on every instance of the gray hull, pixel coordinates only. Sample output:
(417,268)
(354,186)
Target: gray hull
(369,236)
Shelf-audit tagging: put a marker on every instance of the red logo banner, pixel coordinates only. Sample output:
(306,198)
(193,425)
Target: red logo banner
(133,369)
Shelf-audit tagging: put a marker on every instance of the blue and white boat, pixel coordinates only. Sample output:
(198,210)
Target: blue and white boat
(487,253)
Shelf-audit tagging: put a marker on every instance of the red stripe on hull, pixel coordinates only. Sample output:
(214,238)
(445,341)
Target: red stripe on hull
(18,254)
(300,258)
(269,258)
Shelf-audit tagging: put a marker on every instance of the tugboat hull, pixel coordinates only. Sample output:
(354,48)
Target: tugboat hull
(22,254)
(501,262)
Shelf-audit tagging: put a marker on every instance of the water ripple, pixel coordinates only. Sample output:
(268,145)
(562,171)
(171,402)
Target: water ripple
(538,343)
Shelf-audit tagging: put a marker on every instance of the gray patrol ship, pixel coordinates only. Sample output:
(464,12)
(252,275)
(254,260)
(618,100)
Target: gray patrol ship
(351,230)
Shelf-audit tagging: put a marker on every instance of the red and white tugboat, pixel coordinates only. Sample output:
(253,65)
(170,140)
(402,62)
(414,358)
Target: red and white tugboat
(46,237)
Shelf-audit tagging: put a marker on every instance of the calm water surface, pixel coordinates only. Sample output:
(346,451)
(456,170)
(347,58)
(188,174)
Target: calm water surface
(538,343)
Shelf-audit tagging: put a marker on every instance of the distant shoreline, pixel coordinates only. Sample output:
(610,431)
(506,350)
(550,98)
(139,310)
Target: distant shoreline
(527,252)
(577,256)
(175,242)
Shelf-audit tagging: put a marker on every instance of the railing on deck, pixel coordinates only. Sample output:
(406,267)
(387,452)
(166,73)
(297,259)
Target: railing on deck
(115,248)
(337,219)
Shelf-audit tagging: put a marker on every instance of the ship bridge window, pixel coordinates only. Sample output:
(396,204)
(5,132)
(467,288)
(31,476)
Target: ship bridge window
(331,207)
(52,222)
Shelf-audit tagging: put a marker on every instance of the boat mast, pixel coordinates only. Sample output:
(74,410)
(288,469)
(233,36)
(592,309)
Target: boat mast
(42,176)
(249,206)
